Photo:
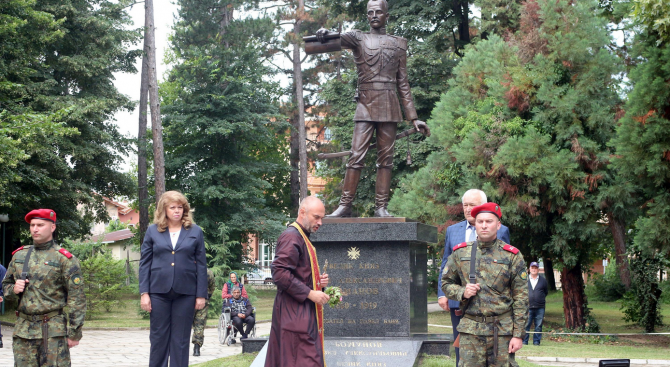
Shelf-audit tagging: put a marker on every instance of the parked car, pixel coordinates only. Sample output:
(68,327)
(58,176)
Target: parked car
(258,278)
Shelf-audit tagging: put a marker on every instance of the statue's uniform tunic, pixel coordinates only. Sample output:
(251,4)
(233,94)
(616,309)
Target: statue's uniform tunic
(294,337)
(55,281)
(501,302)
(381,61)
(200,317)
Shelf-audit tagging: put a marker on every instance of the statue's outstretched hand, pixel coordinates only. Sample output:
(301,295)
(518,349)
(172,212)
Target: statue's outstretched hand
(321,35)
(422,127)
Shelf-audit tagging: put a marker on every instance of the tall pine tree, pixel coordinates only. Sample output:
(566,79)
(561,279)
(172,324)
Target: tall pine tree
(225,143)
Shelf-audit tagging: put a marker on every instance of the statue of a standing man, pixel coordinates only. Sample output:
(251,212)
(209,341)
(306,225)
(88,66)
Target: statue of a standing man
(381,61)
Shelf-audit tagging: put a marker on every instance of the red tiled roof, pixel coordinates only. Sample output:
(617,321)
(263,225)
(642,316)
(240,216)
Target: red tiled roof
(123,209)
(121,235)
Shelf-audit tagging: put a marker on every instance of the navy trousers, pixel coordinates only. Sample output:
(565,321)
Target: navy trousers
(455,320)
(535,316)
(171,319)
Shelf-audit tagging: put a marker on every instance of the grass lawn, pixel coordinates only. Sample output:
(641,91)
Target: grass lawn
(240,360)
(610,319)
(127,315)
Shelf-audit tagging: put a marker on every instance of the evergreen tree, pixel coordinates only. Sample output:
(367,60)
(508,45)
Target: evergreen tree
(528,121)
(225,142)
(642,159)
(56,91)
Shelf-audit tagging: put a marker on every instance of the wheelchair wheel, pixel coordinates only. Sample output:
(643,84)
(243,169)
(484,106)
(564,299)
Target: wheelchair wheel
(224,328)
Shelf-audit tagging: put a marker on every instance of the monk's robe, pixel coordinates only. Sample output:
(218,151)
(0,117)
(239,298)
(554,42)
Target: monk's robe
(294,338)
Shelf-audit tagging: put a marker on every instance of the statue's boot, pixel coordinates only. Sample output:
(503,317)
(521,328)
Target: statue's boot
(351,178)
(382,191)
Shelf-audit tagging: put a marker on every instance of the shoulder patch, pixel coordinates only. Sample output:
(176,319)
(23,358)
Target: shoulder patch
(511,249)
(17,250)
(460,245)
(65,253)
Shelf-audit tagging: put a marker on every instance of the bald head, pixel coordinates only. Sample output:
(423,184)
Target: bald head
(311,213)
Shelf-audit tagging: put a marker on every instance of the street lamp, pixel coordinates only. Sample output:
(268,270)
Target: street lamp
(4,218)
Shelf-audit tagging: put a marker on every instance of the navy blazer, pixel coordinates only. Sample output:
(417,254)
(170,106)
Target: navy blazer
(183,269)
(456,235)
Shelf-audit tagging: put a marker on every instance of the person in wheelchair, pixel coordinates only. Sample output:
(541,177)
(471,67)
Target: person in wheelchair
(241,313)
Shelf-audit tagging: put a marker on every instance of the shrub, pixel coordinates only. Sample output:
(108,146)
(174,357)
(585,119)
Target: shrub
(606,287)
(104,282)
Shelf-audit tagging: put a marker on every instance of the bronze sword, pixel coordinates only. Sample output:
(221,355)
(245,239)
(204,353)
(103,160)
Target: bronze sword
(403,134)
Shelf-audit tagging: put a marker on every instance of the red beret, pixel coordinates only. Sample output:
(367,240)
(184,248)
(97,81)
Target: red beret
(45,214)
(492,208)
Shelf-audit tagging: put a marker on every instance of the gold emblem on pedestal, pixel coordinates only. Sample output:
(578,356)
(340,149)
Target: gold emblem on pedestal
(354,253)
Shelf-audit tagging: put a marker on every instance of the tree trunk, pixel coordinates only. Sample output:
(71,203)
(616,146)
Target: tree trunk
(143,194)
(549,273)
(574,297)
(464,22)
(156,124)
(297,81)
(295,169)
(618,230)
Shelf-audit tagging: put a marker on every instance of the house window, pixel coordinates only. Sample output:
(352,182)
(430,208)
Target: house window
(327,134)
(267,254)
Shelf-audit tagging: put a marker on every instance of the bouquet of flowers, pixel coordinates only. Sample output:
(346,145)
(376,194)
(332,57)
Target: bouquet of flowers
(335,294)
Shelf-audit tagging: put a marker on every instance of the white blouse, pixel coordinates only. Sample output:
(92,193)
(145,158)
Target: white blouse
(174,236)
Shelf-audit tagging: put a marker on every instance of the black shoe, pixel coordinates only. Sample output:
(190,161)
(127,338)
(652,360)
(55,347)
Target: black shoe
(538,344)
(232,341)
(244,336)
(0,343)
(526,343)
(196,350)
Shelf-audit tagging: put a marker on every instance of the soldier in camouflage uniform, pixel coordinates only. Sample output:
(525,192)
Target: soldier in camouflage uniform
(495,305)
(52,281)
(200,317)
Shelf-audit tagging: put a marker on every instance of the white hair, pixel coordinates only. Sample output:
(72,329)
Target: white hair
(475,191)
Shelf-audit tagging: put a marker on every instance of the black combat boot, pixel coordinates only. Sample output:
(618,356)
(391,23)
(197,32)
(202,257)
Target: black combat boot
(196,350)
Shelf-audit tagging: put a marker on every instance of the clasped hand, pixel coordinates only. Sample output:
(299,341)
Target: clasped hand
(471,290)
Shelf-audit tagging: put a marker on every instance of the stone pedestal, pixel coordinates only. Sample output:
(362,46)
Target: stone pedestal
(381,269)
(381,266)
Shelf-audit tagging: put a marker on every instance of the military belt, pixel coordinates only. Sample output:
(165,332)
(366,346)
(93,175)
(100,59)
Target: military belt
(495,320)
(488,319)
(36,318)
(378,86)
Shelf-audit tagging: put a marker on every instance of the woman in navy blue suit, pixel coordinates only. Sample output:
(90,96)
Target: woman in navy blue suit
(173,279)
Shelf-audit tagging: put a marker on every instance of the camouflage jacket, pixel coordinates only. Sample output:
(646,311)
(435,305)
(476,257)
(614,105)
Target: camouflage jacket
(501,274)
(211,284)
(55,281)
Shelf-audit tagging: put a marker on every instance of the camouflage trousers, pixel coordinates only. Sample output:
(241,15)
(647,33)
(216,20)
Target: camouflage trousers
(477,351)
(199,323)
(28,352)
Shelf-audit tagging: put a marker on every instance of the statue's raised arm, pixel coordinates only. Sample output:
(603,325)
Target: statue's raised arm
(381,62)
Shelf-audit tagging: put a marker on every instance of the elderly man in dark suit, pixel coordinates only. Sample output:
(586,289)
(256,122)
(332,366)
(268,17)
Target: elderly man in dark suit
(458,233)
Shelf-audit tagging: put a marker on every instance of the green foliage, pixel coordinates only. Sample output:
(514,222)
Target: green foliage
(606,287)
(115,225)
(641,142)
(527,119)
(655,16)
(224,140)
(215,305)
(642,304)
(104,282)
(57,60)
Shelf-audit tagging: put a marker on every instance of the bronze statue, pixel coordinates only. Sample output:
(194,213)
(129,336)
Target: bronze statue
(381,61)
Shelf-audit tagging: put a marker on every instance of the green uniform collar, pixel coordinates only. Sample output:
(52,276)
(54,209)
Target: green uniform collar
(43,246)
(483,245)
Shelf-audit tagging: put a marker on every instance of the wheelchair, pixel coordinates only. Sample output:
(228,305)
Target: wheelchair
(227,331)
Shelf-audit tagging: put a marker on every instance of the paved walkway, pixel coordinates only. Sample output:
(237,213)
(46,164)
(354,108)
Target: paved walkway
(128,348)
